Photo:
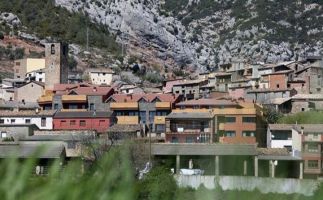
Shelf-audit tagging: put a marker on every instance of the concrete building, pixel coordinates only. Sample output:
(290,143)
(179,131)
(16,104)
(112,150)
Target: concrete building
(56,70)
(43,120)
(279,136)
(14,132)
(27,65)
(190,127)
(30,92)
(265,95)
(190,89)
(101,76)
(307,102)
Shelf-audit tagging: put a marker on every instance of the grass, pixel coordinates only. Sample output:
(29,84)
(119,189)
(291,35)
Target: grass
(310,117)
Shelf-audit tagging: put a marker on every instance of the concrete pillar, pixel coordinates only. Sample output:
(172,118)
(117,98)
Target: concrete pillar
(245,165)
(217,166)
(272,169)
(301,168)
(256,166)
(178,161)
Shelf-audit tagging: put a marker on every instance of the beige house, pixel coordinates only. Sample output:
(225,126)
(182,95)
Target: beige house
(101,76)
(30,92)
(26,65)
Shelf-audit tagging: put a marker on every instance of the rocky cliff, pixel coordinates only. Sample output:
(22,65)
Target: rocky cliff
(204,33)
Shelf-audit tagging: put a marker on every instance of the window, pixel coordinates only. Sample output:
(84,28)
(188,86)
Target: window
(303,109)
(248,133)
(312,147)
(52,49)
(196,107)
(40,80)
(248,119)
(152,116)
(313,164)
(27,121)
(12,121)
(43,121)
(63,123)
(1,121)
(72,123)
(174,140)
(92,107)
(160,128)
(142,116)
(3,134)
(18,63)
(230,134)
(101,122)
(55,106)
(72,106)
(277,85)
(230,119)
(82,123)
(189,139)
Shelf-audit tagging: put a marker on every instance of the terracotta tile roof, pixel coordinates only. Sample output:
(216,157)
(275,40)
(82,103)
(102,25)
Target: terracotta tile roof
(148,97)
(81,89)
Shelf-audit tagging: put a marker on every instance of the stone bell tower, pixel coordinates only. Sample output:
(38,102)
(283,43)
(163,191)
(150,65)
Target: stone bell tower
(56,64)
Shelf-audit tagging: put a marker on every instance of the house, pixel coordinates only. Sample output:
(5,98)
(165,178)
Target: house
(14,132)
(265,95)
(101,76)
(312,75)
(30,92)
(12,83)
(306,102)
(145,109)
(282,105)
(99,121)
(37,75)
(207,104)
(27,65)
(190,127)
(43,119)
(279,136)
(190,89)
(129,89)
(7,93)
(76,97)
(222,80)
(307,141)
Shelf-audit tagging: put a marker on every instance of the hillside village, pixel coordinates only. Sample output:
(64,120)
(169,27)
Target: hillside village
(219,114)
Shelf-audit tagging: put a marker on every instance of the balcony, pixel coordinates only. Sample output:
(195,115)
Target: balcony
(45,99)
(74,98)
(127,120)
(124,106)
(237,140)
(159,120)
(163,105)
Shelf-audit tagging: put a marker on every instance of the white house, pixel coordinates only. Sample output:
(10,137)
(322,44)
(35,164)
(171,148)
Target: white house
(279,136)
(37,75)
(101,76)
(42,119)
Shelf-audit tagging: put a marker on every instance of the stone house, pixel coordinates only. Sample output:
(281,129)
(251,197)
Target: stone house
(306,102)
(30,92)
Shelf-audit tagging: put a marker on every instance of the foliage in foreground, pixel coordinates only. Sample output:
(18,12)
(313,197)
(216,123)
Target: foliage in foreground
(110,178)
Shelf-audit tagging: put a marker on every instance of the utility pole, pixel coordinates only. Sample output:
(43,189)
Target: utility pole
(87,38)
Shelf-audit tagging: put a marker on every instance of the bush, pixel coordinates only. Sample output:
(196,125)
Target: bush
(1,36)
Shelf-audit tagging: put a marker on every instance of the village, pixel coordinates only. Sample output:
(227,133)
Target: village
(218,115)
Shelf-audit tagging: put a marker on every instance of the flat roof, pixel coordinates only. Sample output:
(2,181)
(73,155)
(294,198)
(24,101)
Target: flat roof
(280,127)
(204,149)
(309,128)
(190,115)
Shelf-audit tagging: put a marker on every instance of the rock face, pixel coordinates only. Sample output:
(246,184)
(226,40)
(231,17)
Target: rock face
(205,33)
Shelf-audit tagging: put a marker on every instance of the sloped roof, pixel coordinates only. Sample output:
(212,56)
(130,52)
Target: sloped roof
(23,150)
(309,128)
(79,136)
(16,104)
(147,97)
(124,128)
(27,113)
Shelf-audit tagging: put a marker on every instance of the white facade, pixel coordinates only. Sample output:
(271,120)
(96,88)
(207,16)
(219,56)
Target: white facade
(99,78)
(43,123)
(280,143)
(38,76)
